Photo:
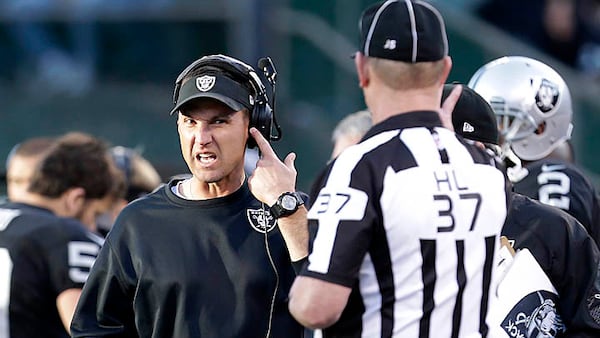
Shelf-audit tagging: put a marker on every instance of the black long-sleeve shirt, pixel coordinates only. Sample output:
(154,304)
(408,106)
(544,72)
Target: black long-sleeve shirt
(567,254)
(178,268)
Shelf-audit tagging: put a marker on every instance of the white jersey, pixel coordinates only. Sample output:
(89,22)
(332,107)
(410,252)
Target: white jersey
(410,219)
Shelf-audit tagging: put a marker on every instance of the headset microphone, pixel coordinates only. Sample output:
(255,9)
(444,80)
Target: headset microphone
(268,68)
(270,73)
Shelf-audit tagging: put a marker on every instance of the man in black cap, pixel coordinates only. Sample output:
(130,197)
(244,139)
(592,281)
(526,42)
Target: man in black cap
(552,273)
(408,220)
(210,255)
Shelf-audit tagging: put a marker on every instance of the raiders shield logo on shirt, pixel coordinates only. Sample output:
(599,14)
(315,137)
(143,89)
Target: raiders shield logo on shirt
(261,220)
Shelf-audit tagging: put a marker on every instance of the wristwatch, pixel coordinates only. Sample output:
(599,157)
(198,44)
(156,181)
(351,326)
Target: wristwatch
(286,204)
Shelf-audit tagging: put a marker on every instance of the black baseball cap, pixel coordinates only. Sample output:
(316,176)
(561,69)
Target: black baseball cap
(403,30)
(216,85)
(473,118)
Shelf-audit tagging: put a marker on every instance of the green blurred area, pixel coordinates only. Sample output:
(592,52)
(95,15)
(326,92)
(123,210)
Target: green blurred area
(310,43)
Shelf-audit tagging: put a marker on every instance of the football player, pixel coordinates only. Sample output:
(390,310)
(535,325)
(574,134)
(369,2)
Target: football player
(548,280)
(45,253)
(139,178)
(533,106)
(21,163)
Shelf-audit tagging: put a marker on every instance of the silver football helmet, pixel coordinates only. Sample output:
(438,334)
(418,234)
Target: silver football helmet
(531,101)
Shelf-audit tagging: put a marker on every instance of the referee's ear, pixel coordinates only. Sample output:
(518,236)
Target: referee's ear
(362,69)
(446,71)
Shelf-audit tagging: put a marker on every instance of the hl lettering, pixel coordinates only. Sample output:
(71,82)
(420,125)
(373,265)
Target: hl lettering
(444,179)
(446,203)
(326,200)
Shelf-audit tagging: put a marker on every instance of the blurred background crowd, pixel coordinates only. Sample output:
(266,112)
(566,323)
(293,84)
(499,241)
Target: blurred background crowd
(107,67)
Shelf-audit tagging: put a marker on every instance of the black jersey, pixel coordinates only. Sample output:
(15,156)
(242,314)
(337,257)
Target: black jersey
(409,218)
(172,267)
(570,259)
(563,185)
(41,255)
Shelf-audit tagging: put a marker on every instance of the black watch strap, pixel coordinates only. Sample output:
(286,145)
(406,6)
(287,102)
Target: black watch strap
(287,204)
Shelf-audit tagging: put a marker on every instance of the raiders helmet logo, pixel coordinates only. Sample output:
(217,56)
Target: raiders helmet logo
(205,83)
(546,96)
(261,220)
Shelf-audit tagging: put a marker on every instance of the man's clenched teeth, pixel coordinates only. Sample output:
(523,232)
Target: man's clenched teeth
(205,158)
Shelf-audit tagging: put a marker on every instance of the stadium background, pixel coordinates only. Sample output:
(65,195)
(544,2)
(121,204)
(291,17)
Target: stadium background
(141,48)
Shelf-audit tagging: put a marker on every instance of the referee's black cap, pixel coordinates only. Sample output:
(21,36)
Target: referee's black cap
(403,30)
(473,118)
(216,85)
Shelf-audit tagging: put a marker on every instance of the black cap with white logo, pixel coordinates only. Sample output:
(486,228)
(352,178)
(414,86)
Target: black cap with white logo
(473,118)
(403,30)
(216,85)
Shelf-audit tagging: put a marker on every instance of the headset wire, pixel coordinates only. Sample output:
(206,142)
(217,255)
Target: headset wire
(268,250)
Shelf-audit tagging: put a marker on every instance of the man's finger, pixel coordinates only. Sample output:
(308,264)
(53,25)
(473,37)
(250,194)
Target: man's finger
(263,145)
(448,106)
(289,160)
(450,102)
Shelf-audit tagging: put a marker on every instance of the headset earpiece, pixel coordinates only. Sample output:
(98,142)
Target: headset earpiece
(261,118)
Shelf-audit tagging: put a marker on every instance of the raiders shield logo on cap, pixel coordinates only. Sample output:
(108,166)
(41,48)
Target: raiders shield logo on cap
(261,220)
(205,83)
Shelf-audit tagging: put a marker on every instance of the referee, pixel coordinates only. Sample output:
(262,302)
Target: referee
(408,220)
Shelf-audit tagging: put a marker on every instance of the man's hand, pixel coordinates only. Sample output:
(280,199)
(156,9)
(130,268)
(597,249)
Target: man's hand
(448,106)
(271,177)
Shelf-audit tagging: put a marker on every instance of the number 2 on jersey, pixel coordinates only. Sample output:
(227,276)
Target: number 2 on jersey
(554,189)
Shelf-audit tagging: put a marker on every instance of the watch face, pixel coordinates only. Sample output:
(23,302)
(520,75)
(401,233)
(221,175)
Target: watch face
(288,202)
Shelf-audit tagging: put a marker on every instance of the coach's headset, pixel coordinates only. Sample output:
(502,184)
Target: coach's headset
(262,116)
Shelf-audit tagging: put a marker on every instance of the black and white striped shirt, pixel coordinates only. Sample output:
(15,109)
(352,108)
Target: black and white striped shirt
(409,219)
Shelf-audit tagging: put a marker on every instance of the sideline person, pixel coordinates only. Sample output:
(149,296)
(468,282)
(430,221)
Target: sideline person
(45,251)
(532,103)
(549,262)
(408,220)
(21,163)
(211,255)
